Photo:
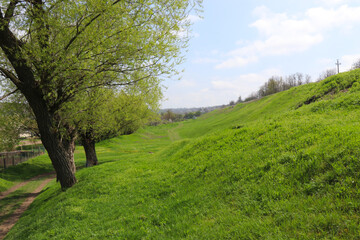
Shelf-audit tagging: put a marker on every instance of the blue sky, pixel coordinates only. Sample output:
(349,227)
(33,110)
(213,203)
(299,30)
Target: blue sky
(239,44)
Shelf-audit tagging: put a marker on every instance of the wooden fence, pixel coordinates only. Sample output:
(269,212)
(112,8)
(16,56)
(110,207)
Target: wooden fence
(8,159)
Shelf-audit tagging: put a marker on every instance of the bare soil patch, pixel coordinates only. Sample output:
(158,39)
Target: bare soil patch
(10,222)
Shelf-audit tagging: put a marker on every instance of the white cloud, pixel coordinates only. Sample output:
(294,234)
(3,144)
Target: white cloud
(205,60)
(185,83)
(333,2)
(243,84)
(218,91)
(236,61)
(281,34)
(347,61)
(194,18)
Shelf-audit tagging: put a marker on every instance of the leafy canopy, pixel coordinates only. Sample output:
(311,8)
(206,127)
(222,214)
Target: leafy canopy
(75,45)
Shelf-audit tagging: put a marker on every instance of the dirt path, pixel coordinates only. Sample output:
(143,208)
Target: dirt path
(10,222)
(173,135)
(14,188)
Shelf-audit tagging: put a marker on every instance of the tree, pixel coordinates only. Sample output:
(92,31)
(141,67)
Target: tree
(107,113)
(9,128)
(327,73)
(356,65)
(273,85)
(252,97)
(54,50)
(15,119)
(239,100)
(277,84)
(197,114)
(169,116)
(189,115)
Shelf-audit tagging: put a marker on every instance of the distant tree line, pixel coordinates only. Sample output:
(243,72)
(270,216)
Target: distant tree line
(276,84)
(170,116)
(332,71)
(327,73)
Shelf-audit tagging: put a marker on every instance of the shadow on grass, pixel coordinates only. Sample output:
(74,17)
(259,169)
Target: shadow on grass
(20,196)
(28,169)
(13,202)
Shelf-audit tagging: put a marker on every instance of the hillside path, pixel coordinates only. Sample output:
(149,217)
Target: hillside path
(14,188)
(10,222)
(173,135)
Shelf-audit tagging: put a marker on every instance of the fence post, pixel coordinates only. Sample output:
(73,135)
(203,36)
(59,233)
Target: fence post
(13,159)
(4,161)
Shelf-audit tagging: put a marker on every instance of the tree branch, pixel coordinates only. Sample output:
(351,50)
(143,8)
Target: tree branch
(10,11)
(9,75)
(8,94)
(80,31)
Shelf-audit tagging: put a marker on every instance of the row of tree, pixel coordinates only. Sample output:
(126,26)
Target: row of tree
(278,84)
(170,116)
(69,60)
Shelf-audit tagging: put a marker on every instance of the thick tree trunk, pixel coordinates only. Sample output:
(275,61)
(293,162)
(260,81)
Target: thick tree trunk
(59,145)
(90,152)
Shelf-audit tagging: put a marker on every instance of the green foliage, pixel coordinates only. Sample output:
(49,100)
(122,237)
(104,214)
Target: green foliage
(54,51)
(80,44)
(15,118)
(263,170)
(277,84)
(105,113)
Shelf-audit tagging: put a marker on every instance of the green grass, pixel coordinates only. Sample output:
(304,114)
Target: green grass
(13,201)
(21,172)
(284,167)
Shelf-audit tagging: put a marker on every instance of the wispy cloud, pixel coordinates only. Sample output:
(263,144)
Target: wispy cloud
(194,18)
(238,60)
(245,83)
(283,34)
(348,61)
(219,90)
(333,2)
(205,60)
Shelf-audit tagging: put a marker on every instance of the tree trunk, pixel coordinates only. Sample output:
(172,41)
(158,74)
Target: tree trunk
(59,145)
(90,151)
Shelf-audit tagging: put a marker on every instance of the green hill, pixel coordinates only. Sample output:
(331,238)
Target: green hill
(283,167)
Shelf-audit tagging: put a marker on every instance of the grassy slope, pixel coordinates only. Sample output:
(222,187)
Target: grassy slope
(272,169)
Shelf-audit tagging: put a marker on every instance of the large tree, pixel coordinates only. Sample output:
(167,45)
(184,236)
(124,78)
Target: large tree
(54,50)
(105,113)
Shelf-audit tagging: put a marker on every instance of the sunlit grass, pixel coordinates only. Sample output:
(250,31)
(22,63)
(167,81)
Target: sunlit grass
(272,169)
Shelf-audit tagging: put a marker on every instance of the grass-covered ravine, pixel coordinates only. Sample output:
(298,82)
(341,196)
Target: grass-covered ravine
(284,167)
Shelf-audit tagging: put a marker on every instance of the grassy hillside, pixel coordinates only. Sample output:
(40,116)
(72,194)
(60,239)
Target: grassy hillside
(284,167)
